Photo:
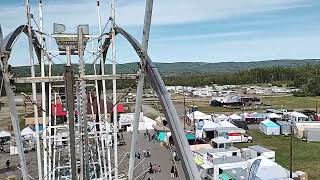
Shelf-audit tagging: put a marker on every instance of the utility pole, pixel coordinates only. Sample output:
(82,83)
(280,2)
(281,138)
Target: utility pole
(34,89)
(145,39)
(291,149)
(14,115)
(184,108)
(194,121)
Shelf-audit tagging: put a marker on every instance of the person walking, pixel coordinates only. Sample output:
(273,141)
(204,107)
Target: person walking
(159,169)
(8,164)
(144,153)
(150,168)
(172,172)
(176,174)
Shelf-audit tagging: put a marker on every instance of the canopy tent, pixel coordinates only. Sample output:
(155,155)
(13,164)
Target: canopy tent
(226,124)
(235,117)
(4,134)
(197,115)
(191,136)
(274,116)
(27,132)
(127,118)
(270,170)
(221,117)
(147,123)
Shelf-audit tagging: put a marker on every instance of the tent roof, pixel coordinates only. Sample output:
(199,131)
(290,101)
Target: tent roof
(199,115)
(4,134)
(275,116)
(226,124)
(27,131)
(235,116)
(269,123)
(191,136)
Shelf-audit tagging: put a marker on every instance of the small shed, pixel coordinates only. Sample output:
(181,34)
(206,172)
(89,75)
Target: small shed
(284,127)
(269,128)
(312,134)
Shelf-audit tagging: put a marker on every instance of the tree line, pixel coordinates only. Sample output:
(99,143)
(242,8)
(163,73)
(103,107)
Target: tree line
(306,77)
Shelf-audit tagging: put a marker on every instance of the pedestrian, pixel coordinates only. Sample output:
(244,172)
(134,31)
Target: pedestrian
(144,153)
(172,172)
(155,168)
(159,169)
(148,153)
(150,168)
(149,137)
(138,155)
(176,172)
(122,135)
(8,164)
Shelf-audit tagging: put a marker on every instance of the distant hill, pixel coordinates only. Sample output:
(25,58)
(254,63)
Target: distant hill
(182,67)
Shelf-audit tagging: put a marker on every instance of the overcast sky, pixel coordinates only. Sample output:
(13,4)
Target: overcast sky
(189,30)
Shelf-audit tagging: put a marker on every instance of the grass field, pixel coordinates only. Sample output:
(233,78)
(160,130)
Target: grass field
(292,102)
(306,156)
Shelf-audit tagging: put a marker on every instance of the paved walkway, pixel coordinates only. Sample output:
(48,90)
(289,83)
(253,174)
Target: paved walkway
(160,155)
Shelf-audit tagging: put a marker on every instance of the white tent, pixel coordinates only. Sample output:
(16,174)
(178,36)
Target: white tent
(235,117)
(205,125)
(226,124)
(270,170)
(147,123)
(274,116)
(197,115)
(5,134)
(221,117)
(27,132)
(127,118)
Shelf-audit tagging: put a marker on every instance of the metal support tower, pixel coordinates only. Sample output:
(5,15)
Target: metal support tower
(34,89)
(137,111)
(114,89)
(43,96)
(69,84)
(83,109)
(14,116)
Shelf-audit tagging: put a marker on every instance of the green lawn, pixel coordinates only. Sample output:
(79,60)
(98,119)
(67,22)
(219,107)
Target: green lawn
(306,156)
(292,102)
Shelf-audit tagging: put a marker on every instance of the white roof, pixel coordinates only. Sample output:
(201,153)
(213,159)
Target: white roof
(297,114)
(235,116)
(27,131)
(220,140)
(210,124)
(226,124)
(274,115)
(222,117)
(270,170)
(4,134)
(199,115)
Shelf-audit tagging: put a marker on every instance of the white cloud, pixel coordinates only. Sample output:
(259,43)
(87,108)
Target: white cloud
(132,12)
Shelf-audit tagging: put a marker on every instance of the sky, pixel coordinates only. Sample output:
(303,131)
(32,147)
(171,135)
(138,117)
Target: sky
(187,30)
